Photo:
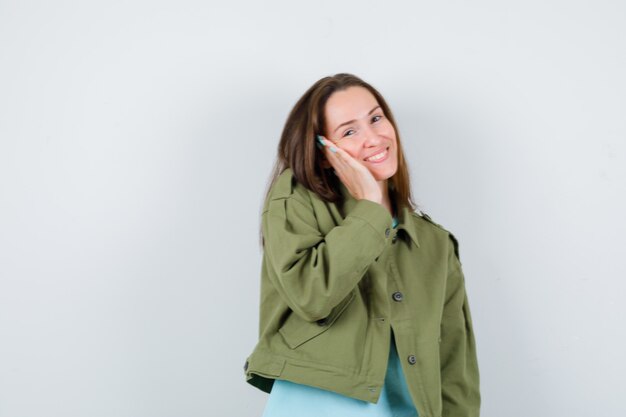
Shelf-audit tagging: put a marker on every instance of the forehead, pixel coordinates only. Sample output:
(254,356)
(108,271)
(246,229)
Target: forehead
(351,103)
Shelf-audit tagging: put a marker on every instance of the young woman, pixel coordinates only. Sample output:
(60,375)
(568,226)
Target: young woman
(363,304)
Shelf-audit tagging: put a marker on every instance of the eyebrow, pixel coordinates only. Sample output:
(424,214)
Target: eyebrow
(352,121)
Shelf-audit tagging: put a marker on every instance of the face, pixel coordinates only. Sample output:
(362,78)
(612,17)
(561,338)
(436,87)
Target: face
(356,123)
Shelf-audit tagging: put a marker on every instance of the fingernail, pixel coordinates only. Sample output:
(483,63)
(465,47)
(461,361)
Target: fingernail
(332,148)
(319,139)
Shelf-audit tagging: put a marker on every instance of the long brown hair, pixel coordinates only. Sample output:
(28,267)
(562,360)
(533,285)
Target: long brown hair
(297,147)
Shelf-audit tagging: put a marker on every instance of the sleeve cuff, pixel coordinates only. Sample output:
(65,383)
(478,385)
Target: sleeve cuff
(374,214)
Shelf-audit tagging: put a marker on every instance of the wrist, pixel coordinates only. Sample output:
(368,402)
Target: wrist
(375,198)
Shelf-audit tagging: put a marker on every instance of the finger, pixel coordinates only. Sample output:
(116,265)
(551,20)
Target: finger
(322,145)
(342,162)
(336,160)
(344,159)
(336,157)
(330,151)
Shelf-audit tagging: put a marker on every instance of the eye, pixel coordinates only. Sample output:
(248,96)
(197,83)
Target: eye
(379,117)
(346,133)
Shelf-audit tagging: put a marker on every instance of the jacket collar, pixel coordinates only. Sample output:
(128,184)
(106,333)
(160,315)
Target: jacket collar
(404,216)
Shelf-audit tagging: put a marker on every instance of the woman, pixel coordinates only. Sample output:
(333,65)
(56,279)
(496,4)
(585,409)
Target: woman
(363,304)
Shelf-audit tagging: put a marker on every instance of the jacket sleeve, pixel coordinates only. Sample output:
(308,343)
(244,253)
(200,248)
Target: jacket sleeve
(314,272)
(459,364)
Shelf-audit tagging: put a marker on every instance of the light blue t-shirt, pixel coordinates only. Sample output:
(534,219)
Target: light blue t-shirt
(289,399)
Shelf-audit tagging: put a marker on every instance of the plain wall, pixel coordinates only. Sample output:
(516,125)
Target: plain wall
(137,138)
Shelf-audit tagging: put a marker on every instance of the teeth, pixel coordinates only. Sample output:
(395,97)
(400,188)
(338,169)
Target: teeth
(377,156)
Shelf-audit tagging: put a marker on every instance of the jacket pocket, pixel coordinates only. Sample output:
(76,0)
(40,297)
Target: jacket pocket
(296,331)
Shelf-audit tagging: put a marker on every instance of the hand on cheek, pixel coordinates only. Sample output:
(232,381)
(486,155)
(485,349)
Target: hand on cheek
(355,175)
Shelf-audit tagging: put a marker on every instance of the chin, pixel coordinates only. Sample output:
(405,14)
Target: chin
(384,174)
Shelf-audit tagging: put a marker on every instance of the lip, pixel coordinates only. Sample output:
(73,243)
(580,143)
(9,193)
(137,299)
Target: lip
(377,152)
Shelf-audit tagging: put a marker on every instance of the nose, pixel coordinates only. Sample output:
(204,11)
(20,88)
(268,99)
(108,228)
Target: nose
(372,138)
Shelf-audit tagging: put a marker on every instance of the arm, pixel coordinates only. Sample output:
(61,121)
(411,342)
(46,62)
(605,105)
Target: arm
(313,272)
(459,365)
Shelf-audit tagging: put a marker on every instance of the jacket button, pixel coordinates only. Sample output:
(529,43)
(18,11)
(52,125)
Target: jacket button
(397,296)
(245,366)
(322,322)
(387,232)
(412,359)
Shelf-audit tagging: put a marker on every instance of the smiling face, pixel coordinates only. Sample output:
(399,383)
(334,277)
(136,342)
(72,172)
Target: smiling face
(356,123)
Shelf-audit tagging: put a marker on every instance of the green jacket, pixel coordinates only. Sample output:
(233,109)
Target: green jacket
(334,283)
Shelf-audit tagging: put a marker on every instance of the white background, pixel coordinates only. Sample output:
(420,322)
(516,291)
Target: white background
(137,138)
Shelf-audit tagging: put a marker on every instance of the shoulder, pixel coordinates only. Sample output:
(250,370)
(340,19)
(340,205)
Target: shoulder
(428,227)
(287,187)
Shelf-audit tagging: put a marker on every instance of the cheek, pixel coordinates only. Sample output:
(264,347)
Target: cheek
(352,151)
(388,130)
(355,155)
